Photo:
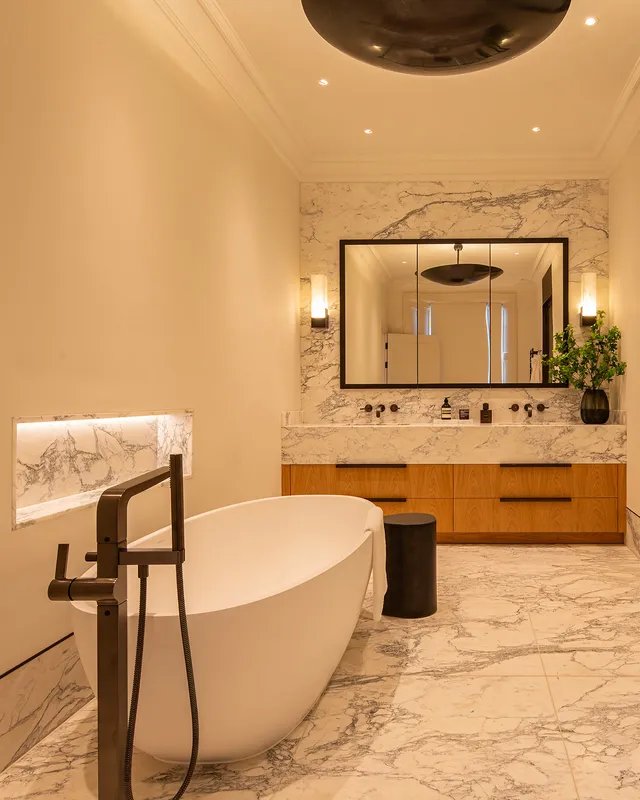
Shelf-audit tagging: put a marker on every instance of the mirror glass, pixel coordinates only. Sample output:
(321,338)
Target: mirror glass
(451,313)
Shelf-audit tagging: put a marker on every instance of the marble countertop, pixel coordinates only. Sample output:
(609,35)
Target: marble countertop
(453,443)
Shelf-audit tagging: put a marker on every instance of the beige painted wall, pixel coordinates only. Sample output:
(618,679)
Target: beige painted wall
(150,260)
(624,213)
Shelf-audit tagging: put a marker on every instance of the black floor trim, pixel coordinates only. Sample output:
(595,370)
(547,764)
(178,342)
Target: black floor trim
(31,658)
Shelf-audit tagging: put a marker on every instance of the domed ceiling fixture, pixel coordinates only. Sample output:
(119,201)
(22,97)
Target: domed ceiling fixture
(435,37)
(460,274)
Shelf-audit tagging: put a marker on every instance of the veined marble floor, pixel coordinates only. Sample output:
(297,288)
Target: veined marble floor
(525,684)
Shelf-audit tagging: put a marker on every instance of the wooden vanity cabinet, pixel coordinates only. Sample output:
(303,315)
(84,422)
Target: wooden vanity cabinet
(510,503)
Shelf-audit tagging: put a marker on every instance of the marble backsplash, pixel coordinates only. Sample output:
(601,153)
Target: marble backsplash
(38,696)
(577,209)
(62,463)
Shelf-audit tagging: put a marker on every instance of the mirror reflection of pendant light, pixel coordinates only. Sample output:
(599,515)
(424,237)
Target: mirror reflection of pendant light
(319,302)
(460,274)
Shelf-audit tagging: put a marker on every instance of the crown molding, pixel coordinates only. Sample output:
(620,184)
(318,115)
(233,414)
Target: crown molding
(223,64)
(200,41)
(625,123)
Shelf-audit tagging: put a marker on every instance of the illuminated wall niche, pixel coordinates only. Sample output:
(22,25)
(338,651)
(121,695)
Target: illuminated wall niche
(62,463)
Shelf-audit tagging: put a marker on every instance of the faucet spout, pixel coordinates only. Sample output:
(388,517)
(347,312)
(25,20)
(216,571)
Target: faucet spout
(379,410)
(529,409)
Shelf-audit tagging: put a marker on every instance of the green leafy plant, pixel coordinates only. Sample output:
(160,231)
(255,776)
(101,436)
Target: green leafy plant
(587,365)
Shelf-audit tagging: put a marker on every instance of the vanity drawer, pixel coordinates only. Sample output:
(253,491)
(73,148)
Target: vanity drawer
(379,481)
(598,515)
(535,516)
(313,479)
(474,515)
(529,480)
(389,481)
(442,510)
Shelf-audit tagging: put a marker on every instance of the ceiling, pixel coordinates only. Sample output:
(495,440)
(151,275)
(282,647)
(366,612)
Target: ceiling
(579,87)
(398,261)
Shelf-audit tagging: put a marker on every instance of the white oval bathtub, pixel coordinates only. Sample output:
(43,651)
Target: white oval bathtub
(274,589)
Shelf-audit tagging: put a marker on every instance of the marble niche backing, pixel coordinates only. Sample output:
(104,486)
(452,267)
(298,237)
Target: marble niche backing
(63,463)
(577,209)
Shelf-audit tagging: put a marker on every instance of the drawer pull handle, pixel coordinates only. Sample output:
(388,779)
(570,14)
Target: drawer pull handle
(386,499)
(536,466)
(536,499)
(371,466)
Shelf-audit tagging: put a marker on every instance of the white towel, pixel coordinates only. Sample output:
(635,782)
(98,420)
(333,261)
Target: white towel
(375,524)
(536,369)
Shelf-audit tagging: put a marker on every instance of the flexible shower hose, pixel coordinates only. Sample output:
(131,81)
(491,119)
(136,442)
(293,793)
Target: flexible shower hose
(143,573)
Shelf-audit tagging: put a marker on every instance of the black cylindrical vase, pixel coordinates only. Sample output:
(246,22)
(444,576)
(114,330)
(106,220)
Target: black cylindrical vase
(594,409)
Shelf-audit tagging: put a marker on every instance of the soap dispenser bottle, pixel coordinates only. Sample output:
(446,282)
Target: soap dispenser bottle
(445,411)
(486,415)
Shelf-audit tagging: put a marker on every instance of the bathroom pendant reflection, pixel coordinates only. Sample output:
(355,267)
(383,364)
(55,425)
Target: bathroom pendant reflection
(460,274)
(434,37)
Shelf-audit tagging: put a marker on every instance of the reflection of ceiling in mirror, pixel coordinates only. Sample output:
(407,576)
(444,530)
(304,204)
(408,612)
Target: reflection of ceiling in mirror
(519,260)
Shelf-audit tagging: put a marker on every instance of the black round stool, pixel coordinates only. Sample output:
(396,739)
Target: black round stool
(411,566)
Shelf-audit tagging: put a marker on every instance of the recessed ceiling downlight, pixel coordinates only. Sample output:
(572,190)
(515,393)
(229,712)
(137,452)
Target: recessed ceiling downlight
(591,21)
(368,131)
(323,82)
(536,129)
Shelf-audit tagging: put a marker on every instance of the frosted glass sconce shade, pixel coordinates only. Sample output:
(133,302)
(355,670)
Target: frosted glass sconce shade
(589,303)
(319,302)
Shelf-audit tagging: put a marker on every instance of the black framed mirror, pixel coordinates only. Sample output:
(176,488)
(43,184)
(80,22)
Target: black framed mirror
(468,313)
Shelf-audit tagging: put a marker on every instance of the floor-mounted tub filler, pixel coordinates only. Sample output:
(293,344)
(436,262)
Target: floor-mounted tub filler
(274,589)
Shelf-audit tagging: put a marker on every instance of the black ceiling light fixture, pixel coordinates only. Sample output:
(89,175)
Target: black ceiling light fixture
(435,37)
(460,274)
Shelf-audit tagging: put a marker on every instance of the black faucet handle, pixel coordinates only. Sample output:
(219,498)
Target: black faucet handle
(541,407)
(62,560)
(368,408)
(177,503)
(394,407)
(515,407)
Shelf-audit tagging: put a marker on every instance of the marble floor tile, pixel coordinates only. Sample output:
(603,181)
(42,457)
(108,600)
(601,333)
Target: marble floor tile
(419,737)
(64,766)
(456,706)
(475,635)
(600,722)
(590,627)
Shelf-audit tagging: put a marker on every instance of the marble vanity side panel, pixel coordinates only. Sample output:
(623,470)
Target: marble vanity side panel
(479,444)
(577,209)
(39,696)
(632,538)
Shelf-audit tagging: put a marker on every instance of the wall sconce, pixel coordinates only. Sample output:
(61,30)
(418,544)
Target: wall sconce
(589,305)
(319,302)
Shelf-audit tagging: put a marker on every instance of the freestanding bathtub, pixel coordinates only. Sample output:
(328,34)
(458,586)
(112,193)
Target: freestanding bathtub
(274,589)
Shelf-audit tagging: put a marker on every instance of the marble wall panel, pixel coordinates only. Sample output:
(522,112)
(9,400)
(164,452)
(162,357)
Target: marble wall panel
(577,209)
(39,696)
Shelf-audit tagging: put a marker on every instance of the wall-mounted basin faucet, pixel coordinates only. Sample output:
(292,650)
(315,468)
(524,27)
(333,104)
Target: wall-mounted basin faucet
(529,409)
(380,409)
